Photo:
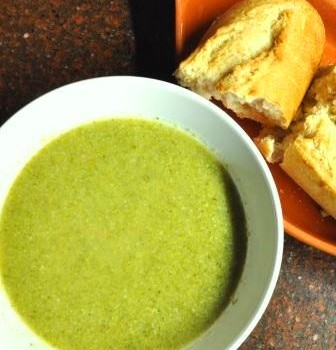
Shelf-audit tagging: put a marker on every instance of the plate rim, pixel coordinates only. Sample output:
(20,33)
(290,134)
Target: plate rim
(309,239)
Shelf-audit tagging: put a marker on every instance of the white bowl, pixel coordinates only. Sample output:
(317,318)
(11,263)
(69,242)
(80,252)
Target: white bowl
(62,109)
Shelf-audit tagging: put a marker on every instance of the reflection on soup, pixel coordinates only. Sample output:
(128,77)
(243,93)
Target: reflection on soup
(122,234)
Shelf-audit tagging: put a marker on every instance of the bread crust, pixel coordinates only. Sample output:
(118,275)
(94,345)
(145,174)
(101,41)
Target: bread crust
(258,58)
(307,150)
(311,163)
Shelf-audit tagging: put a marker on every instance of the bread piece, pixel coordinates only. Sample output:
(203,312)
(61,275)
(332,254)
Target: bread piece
(307,151)
(258,58)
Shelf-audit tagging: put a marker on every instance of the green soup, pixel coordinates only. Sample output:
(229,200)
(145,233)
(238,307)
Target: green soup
(121,234)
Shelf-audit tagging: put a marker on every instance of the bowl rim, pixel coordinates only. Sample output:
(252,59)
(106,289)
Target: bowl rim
(269,181)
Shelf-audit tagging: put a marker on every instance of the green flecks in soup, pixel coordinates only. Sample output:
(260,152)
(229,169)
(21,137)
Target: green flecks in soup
(121,234)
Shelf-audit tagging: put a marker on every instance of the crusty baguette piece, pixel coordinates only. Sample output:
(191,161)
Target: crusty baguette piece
(258,58)
(307,150)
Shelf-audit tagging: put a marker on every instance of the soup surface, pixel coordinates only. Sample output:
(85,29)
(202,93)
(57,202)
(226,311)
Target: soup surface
(121,234)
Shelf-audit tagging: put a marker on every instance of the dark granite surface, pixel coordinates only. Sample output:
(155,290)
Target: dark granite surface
(302,311)
(47,43)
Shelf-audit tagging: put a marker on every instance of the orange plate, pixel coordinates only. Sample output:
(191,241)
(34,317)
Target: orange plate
(302,216)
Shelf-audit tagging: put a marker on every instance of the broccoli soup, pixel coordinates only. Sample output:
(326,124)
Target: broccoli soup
(122,234)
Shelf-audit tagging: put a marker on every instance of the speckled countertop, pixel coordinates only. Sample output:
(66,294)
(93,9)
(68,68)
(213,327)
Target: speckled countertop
(302,311)
(48,43)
